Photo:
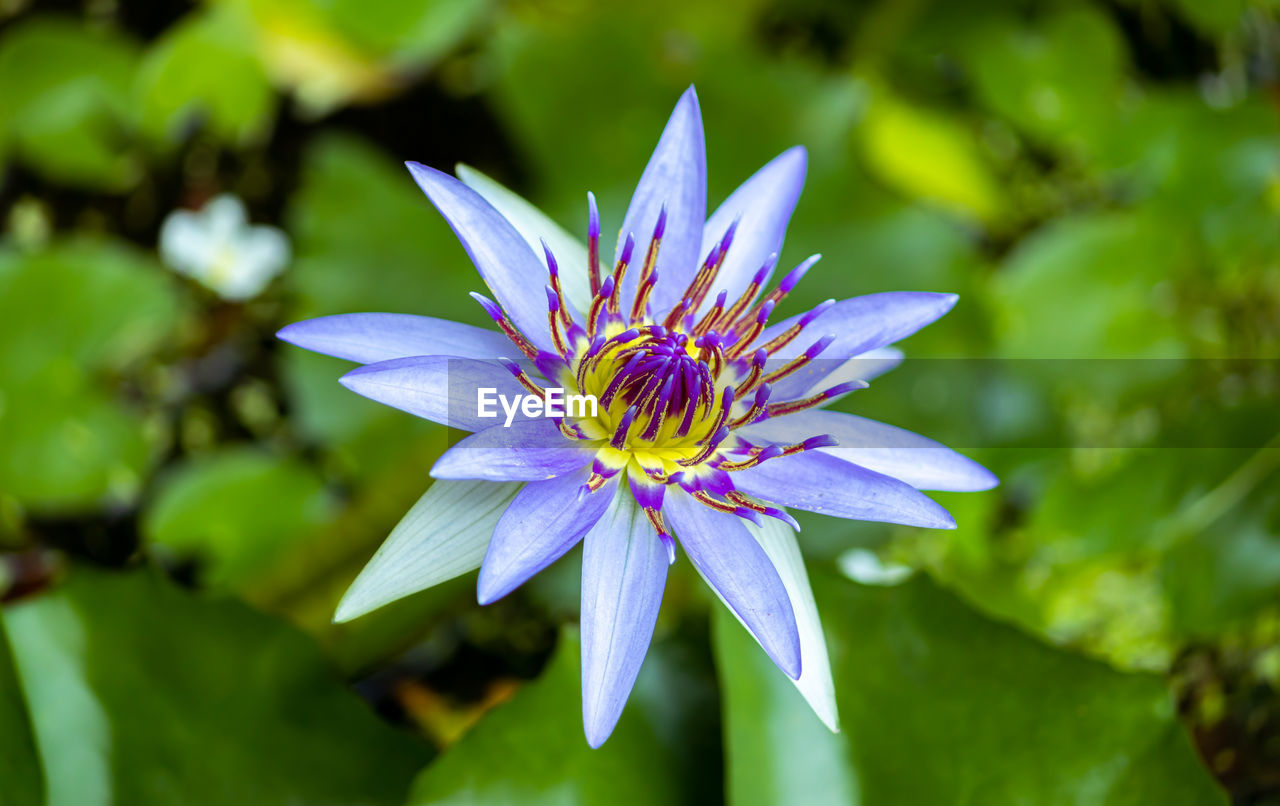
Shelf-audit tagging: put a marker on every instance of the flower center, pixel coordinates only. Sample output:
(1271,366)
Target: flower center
(673,386)
(659,374)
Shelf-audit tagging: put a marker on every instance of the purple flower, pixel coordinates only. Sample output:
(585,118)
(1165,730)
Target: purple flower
(709,420)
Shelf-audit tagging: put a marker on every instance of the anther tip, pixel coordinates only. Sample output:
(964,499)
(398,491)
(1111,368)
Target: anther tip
(552,267)
(818,346)
(845,388)
(510,366)
(820,441)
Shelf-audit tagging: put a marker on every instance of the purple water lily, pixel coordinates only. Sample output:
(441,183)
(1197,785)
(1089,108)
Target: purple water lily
(709,420)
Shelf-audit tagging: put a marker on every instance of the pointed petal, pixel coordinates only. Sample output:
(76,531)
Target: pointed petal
(624,570)
(443,536)
(534,226)
(545,520)
(739,571)
(372,337)
(532,450)
(821,374)
(815,683)
(865,323)
(439,388)
(886,449)
(817,482)
(762,205)
(676,176)
(513,272)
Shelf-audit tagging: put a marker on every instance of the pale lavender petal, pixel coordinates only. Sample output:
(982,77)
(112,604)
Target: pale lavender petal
(826,373)
(886,449)
(371,337)
(531,450)
(676,177)
(546,519)
(624,570)
(739,571)
(440,388)
(762,206)
(821,483)
(865,323)
(535,227)
(514,274)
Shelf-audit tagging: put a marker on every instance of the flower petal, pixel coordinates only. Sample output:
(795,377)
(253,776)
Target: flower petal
(544,521)
(739,571)
(676,177)
(818,482)
(186,243)
(534,226)
(822,374)
(865,323)
(372,337)
(886,449)
(624,570)
(225,214)
(513,272)
(443,536)
(762,206)
(531,450)
(440,388)
(815,683)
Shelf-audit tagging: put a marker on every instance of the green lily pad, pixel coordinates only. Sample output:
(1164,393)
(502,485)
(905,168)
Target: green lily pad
(142,694)
(19,765)
(205,69)
(532,751)
(239,510)
(1088,287)
(1059,79)
(66,104)
(942,705)
(73,318)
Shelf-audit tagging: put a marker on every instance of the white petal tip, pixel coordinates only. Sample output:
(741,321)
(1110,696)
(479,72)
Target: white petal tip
(595,742)
(597,727)
(790,666)
(487,592)
(987,481)
(350,609)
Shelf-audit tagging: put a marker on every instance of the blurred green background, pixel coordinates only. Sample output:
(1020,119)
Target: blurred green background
(183,499)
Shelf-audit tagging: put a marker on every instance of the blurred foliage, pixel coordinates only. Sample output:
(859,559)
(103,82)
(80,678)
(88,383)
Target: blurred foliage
(69,442)
(1099,181)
